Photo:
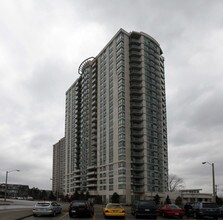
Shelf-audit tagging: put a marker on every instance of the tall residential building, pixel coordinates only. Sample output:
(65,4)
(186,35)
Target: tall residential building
(116,129)
(58,167)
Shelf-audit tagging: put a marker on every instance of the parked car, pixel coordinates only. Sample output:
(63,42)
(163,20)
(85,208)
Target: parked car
(114,210)
(81,208)
(206,209)
(221,211)
(144,208)
(171,210)
(46,208)
(188,209)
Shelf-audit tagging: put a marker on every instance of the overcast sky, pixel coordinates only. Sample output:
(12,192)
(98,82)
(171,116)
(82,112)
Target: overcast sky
(42,44)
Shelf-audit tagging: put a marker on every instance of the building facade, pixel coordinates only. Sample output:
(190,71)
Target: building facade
(188,196)
(58,167)
(14,191)
(115,126)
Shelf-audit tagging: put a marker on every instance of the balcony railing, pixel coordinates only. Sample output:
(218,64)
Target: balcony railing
(137,161)
(137,147)
(138,176)
(135,118)
(138,190)
(138,154)
(138,140)
(138,183)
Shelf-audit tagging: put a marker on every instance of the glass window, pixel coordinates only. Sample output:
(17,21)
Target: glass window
(121,164)
(122,179)
(121,186)
(122,157)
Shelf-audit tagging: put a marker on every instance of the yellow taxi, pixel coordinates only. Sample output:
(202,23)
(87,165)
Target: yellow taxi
(114,210)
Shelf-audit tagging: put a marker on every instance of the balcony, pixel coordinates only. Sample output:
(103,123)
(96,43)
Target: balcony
(135,98)
(94,120)
(94,114)
(94,101)
(137,147)
(135,66)
(134,54)
(135,47)
(94,87)
(93,168)
(136,85)
(135,72)
(138,190)
(135,41)
(138,154)
(137,140)
(136,116)
(94,72)
(137,134)
(137,126)
(138,183)
(91,185)
(76,181)
(93,143)
(92,179)
(94,124)
(137,161)
(134,59)
(94,81)
(92,172)
(94,131)
(136,91)
(137,169)
(138,176)
(77,172)
(136,105)
(136,112)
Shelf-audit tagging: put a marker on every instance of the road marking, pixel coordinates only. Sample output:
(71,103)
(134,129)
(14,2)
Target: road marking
(63,216)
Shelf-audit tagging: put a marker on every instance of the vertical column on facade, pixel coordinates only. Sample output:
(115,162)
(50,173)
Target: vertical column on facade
(92,154)
(102,125)
(155,110)
(123,113)
(85,129)
(164,127)
(76,136)
(136,99)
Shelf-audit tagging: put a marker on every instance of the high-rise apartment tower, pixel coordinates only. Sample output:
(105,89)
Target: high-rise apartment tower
(58,167)
(116,129)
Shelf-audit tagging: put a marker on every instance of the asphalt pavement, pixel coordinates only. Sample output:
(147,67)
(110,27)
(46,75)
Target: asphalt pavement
(18,209)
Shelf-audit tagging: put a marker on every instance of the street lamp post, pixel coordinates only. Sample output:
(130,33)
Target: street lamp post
(213,179)
(6,181)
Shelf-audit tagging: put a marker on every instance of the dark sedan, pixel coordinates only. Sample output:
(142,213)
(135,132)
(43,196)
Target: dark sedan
(81,208)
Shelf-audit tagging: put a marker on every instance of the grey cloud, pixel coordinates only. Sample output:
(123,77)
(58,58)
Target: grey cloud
(42,45)
(210,108)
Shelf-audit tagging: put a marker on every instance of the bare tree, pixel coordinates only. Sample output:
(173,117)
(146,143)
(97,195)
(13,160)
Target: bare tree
(175,183)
